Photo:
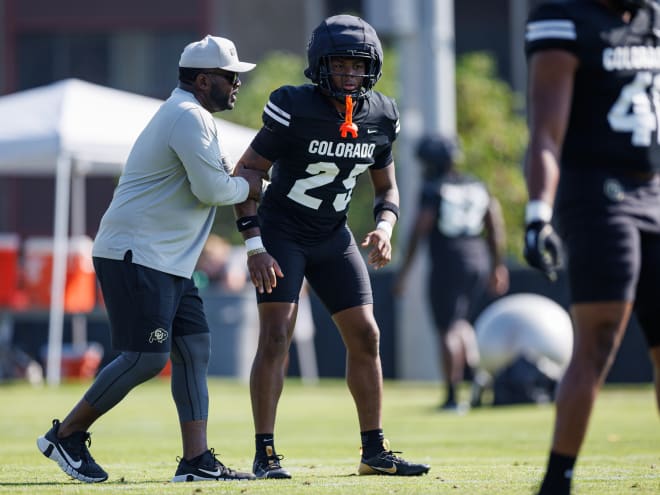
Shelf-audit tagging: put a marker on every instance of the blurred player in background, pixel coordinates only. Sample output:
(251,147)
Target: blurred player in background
(594,88)
(319,138)
(465,228)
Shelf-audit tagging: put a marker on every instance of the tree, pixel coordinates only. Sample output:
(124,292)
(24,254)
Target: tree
(493,135)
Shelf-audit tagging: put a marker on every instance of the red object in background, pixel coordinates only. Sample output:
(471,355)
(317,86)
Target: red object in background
(8,268)
(81,365)
(167,370)
(78,362)
(80,286)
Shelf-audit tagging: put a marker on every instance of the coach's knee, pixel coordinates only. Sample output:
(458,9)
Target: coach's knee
(148,364)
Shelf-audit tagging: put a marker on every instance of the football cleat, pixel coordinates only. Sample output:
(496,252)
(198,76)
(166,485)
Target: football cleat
(388,463)
(207,467)
(71,454)
(268,466)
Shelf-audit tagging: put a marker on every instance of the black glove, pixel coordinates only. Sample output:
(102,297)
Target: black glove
(543,248)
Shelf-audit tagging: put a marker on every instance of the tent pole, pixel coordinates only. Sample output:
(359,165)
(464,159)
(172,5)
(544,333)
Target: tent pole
(78,228)
(58,281)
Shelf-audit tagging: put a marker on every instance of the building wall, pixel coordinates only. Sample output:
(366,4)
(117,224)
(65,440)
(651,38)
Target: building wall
(487,31)
(121,43)
(278,26)
(126,44)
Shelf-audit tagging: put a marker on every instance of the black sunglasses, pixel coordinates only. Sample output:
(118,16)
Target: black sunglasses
(231,77)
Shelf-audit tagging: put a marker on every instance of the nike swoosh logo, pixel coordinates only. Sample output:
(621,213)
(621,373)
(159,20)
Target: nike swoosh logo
(71,462)
(389,470)
(372,131)
(244,223)
(216,473)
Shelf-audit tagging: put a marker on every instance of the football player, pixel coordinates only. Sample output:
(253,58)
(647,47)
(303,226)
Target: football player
(465,228)
(594,94)
(318,138)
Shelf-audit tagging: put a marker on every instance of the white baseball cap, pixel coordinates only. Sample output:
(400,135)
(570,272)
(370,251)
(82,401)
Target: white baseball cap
(213,52)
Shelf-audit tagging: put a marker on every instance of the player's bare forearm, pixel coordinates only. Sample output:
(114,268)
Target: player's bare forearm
(245,209)
(386,192)
(551,80)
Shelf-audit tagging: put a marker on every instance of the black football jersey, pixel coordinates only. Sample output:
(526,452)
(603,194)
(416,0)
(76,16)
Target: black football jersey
(314,168)
(615,114)
(460,202)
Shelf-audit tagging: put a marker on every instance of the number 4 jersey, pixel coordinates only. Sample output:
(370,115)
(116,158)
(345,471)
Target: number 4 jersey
(615,113)
(314,168)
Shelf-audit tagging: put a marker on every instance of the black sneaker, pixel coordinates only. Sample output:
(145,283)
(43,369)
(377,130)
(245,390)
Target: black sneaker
(389,464)
(268,465)
(71,454)
(207,467)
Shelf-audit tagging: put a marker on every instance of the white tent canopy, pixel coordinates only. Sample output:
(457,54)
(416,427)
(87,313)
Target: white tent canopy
(73,128)
(93,125)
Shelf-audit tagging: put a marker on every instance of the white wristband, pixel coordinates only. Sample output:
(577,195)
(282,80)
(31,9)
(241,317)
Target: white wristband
(386,227)
(537,210)
(254,243)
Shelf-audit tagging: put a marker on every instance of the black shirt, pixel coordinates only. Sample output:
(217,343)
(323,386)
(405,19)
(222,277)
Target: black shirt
(460,204)
(314,168)
(615,112)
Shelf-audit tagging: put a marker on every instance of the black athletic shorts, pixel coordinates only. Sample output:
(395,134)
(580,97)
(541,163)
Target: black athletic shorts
(610,227)
(147,308)
(333,267)
(458,280)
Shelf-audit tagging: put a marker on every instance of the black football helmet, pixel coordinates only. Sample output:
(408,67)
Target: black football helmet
(344,36)
(437,154)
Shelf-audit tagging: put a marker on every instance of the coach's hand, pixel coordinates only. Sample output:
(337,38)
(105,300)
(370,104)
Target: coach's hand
(543,248)
(254,179)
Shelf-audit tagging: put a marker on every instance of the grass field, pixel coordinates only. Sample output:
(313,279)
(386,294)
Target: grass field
(487,451)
